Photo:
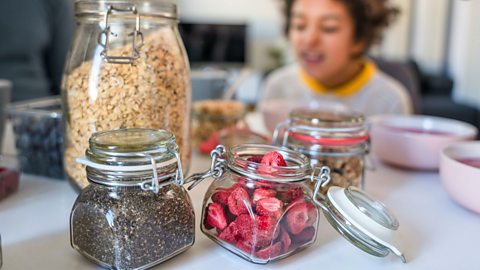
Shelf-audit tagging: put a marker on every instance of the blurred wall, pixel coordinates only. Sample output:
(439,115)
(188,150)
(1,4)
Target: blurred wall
(262,17)
(463,62)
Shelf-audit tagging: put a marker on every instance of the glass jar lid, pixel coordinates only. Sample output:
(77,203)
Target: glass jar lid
(297,169)
(306,127)
(364,222)
(124,153)
(153,8)
(131,147)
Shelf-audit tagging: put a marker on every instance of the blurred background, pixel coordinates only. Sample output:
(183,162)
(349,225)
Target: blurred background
(432,48)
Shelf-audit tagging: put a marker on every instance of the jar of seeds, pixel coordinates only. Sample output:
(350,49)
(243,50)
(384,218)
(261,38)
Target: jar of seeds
(337,139)
(127,68)
(135,213)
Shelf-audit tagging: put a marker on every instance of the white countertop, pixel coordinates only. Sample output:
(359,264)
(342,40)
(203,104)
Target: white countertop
(438,233)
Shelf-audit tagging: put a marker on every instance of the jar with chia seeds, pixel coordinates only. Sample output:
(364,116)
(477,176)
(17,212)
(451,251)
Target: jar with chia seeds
(135,213)
(261,208)
(337,139)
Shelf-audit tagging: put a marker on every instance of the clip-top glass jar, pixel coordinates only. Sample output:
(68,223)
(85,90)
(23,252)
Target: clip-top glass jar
(264,212)
(337,139)
(127,68)
(135,213)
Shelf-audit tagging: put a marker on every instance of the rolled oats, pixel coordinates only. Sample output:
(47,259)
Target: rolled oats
(154,92)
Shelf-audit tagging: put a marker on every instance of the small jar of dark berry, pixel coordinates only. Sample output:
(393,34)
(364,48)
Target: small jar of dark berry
(261,207)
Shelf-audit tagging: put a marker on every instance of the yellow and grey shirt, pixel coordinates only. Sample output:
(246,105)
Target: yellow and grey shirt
(371,92)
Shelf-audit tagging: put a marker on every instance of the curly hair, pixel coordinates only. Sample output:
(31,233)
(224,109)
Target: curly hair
(370,18)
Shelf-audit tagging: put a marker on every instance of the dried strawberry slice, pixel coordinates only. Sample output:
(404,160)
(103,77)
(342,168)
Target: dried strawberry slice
(272,207)
(291,194)
(297,217)
(230,234)
(273,159)
(221,197)
(261,193)
(245,224)
(305,236)
(265,230)
(255,158)
(215,216)
(270,251)
(239,201)
(246,246)
(285,239)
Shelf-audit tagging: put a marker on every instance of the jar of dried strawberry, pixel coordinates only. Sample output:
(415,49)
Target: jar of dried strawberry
(261,208)
(337,139)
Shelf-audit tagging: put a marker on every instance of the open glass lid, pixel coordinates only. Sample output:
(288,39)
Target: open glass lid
(364,222)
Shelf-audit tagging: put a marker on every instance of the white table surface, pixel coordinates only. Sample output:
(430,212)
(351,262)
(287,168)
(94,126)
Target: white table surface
(438,233)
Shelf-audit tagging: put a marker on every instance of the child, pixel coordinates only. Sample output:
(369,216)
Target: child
(330,39)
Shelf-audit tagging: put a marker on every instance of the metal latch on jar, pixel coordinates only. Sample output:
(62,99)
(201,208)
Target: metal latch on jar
(154,185)
(104,37)
(217,168)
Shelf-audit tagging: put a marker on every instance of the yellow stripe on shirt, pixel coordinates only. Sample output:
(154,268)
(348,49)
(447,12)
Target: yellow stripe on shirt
(349,88)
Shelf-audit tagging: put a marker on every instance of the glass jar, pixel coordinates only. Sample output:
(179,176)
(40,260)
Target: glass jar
(135,213)
(337,139)
(127,68)
(210,116)
(264,213)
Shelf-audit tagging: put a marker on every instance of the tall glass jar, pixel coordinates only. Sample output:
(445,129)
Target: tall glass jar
(127,68)
(135,213)
(263,211)
(337,139)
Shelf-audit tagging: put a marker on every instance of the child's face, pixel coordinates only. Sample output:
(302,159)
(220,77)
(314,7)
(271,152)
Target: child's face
(322,37)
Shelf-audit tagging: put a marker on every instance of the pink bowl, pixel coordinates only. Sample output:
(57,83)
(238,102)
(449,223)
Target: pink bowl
(416,141)
(460,180)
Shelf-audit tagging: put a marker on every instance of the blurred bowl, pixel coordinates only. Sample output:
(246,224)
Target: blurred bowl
(460,173)
(416,141)
(37,127)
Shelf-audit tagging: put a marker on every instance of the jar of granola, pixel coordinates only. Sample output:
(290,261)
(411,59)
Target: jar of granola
(261,208)
(210,116)
(337,139)
(127,68)
(135,213)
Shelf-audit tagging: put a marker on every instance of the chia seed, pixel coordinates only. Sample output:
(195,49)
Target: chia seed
(129,228)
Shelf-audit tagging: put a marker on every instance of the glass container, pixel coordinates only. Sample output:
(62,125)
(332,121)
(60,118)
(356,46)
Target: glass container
(264,213)
(337,139)
(37,126)
(210,116)
(127,68)
(135,213)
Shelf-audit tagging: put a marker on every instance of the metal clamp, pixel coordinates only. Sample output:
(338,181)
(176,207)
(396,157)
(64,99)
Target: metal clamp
(322,179)
(107,32)
(217,168)
(155,185)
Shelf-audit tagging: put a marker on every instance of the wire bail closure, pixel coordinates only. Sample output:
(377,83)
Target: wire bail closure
(322,179)
(155,184)
(217,167)
(137,34)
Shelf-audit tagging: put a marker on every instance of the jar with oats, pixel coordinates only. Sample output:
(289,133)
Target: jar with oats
(127,68)
(337,139)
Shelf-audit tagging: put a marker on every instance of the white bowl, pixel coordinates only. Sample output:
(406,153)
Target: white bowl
(416,141)
(462,181)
